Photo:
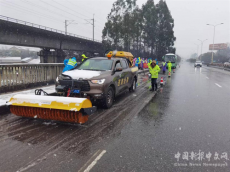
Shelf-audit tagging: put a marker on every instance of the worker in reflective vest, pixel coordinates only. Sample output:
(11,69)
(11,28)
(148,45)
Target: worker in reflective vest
(164,65)
(69,64)
(137,62)
(83,57)
(154,69)
(169,68)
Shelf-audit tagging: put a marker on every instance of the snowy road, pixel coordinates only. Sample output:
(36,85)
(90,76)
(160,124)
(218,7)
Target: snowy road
(184,127)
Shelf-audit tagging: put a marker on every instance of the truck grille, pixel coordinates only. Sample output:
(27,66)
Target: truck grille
(82,84)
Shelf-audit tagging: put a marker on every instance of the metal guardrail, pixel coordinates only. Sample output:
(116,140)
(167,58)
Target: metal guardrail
(44,28)
(216,64)
(19,76)
(220,66)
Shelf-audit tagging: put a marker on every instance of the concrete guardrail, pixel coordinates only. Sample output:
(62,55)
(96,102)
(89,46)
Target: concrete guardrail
(22,76)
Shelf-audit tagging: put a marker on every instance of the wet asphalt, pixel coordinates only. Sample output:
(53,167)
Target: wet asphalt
(143,131)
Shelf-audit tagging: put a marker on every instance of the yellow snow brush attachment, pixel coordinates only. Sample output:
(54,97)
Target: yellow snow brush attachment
(67,109)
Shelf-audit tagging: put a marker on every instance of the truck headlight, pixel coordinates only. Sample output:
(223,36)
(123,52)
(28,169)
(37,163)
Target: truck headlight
(100,81)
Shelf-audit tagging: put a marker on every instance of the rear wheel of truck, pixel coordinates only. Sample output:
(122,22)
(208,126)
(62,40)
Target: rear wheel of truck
(133,86)
(109,98)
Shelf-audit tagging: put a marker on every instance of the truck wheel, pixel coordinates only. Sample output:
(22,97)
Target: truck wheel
(133,86)
(108,99)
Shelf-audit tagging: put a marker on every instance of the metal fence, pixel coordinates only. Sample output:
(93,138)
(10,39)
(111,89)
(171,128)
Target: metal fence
(21,76)
(44,28)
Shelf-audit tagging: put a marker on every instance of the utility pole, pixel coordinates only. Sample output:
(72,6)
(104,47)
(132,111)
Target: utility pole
(213,38)
(67,24)
(201,47)
(93,24)
(93,27)
(66,27)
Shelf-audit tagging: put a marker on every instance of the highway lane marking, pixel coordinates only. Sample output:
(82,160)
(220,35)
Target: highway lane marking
(90,159)
(95,161)
(218,85)
(207,77)
(99,154)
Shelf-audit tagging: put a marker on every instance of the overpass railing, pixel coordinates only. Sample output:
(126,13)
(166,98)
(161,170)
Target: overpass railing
(44,28)
(22,76)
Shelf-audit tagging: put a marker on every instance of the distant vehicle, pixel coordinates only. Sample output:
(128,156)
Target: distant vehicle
(226,64)
(198,63)
(172,58)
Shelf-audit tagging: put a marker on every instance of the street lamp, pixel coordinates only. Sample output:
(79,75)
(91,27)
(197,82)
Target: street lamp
(201,47)
(197,49)
(214,37)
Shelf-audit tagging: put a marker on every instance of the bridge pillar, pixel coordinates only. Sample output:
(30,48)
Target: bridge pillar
(48,56)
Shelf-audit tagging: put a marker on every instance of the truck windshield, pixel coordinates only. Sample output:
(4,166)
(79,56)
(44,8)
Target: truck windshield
(96,64)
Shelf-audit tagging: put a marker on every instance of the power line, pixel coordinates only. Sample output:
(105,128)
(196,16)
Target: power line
(68,8)
(60,9)
(80,13)
(41,7)
(71,9)
(57,13)
(18,7)
(33,12)
(60,14)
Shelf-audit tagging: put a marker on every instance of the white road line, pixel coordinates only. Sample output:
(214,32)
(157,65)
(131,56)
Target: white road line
(95,161)
(218,85)
(207,77)
(90,160)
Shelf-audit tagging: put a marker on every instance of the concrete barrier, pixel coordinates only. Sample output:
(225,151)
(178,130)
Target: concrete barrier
(23,76)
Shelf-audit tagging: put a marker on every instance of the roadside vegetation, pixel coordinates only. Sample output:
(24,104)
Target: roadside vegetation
(145,31)
(221,56)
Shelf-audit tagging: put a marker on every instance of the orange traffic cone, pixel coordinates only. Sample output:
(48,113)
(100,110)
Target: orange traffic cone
(162,81)
(173,70)
(169,74)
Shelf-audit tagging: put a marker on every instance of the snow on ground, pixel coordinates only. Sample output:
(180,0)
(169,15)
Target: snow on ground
(6,97)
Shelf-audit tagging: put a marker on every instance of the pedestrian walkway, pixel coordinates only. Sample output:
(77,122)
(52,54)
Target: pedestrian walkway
(6,97)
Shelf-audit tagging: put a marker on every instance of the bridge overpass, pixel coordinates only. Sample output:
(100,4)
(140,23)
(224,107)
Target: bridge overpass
(21,33)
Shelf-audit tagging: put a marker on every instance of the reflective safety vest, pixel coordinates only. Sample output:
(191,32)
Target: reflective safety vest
(139,60)
(154,71)
(169,66)
(71,62)
(84,57)
(163,63)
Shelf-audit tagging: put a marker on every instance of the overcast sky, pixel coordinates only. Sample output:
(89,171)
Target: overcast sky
(190,17)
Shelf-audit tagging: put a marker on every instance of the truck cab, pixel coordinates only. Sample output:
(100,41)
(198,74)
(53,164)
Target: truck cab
(98,79)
